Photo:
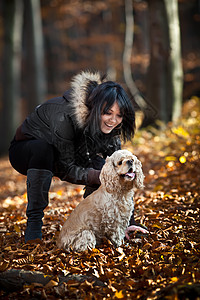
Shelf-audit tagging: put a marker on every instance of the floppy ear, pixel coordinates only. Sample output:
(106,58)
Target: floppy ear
(109,177)
(139,174)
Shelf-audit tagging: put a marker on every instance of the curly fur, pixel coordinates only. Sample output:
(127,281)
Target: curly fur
(107,211)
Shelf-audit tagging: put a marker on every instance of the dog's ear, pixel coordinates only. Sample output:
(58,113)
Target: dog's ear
(139,174)
(108,176)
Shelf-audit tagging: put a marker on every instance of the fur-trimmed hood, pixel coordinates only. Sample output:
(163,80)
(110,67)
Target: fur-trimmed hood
(78,94)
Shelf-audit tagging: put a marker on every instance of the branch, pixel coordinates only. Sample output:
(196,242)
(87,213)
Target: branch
(14,280)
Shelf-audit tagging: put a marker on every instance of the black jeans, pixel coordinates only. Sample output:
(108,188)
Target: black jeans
(31,154)
(36,154)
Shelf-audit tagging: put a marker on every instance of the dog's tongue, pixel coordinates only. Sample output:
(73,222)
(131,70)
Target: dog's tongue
(132,175)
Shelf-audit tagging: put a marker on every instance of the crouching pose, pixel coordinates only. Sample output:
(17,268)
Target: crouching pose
(69,137)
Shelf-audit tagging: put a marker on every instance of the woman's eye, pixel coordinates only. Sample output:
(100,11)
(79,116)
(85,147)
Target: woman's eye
(106,113)
(119,163)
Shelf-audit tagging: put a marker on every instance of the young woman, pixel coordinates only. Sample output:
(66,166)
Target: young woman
(70,137)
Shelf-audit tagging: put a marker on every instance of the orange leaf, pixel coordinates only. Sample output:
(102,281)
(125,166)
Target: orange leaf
(119,295)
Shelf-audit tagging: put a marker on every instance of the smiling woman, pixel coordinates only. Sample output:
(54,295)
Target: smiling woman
(70,137)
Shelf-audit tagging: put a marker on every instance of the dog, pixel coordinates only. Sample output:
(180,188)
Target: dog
(106,212)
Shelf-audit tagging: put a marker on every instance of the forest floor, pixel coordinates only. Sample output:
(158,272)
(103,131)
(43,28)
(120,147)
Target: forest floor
(165,264)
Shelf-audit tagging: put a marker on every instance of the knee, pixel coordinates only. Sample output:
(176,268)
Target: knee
(41,149)
(42,155)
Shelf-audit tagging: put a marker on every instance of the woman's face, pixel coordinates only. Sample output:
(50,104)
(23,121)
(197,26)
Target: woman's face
(111,119)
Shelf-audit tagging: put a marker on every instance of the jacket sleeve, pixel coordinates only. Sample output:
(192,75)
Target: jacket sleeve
(66,168)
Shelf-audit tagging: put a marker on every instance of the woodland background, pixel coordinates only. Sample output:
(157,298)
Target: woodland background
(42,45)
(150,47)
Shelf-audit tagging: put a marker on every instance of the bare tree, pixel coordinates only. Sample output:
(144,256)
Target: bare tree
(175,66)
(149,112)
(128,46)
(157,85)
(10,114)
(34,61)
(165,72)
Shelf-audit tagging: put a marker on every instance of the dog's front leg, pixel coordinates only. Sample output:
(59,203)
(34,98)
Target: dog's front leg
(116,237)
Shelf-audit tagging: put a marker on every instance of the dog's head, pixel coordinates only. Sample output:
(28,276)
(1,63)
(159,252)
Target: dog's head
(122,170)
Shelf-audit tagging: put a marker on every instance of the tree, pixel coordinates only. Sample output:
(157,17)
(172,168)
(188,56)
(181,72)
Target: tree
(165,72)
(128,45)
(35,72)
(147,109)
(10,114)
(12,12)
(175,66)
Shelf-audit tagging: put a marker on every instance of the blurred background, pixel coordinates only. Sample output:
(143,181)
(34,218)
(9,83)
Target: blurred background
(152,48)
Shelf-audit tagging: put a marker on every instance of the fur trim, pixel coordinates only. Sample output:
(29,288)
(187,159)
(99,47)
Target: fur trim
(78,95)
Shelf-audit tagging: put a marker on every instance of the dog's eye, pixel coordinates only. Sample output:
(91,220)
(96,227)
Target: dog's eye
(120,162)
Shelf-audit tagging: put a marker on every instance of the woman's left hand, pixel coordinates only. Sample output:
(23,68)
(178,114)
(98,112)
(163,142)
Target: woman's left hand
(134,228)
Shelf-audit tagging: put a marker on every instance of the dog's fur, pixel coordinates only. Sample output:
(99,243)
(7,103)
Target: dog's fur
(107,211)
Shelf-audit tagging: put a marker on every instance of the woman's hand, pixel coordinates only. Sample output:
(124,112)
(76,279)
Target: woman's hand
(134,228)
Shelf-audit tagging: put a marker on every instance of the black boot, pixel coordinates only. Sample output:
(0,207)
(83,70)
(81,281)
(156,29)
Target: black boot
(38,184)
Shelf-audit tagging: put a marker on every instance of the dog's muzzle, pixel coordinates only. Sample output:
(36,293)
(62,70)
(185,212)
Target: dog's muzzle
(130,174)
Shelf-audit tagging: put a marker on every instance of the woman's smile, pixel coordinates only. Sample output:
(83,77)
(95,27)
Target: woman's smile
(111,119)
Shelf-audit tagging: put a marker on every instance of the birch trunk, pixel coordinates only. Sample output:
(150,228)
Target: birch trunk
(175,64)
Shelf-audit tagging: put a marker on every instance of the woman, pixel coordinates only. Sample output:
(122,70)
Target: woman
(69,137)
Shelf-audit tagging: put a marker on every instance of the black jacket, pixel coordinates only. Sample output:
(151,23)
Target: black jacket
(61,122)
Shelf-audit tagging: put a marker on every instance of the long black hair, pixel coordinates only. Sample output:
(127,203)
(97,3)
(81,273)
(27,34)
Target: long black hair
(101,98)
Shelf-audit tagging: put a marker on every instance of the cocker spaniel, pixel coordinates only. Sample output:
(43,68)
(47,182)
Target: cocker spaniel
(106,212)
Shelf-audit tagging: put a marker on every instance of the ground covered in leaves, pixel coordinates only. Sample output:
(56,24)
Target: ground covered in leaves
(163,265)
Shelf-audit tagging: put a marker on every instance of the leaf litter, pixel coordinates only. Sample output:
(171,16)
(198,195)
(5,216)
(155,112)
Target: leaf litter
(162,265)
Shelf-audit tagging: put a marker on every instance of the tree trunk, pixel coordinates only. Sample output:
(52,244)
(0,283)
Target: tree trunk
(164,89)
(107,17)
(35,73)
(146,107)
(128,45)
(158,92)
(10,114)
(175,66)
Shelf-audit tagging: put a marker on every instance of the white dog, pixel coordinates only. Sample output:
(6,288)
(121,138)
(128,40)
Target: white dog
(107,211)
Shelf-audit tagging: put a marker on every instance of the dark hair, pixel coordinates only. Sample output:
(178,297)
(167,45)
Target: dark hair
(101,97)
